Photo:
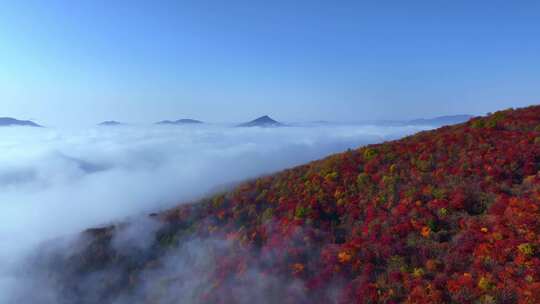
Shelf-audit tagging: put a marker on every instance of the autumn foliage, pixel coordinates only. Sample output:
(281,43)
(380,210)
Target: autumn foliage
(444,216)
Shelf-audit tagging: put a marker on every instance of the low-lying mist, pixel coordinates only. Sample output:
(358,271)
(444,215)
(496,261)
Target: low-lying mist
(55,183)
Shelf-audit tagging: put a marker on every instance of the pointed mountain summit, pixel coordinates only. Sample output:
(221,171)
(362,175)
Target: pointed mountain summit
(184,121)
(110,123)
(263,121)
(8,121)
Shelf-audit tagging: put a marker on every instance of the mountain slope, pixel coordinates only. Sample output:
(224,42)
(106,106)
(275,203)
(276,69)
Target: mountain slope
(444,216)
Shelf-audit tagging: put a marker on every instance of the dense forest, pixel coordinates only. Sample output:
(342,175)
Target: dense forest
(444,216)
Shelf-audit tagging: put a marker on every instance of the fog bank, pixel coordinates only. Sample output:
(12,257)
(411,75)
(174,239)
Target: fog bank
(58,182)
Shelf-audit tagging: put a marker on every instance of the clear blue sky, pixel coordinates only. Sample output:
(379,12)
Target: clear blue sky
(88,61)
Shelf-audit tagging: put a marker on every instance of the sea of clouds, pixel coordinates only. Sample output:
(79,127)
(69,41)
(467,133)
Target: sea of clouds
(57,182)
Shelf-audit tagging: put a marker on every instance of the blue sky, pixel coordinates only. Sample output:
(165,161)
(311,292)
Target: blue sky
(88,61)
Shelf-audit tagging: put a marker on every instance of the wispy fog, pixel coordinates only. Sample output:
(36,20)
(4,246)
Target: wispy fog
(58,182)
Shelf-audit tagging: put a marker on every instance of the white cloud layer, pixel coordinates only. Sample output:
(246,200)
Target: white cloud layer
(58,182)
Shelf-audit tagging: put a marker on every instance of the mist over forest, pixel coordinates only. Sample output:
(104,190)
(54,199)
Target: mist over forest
(58,182)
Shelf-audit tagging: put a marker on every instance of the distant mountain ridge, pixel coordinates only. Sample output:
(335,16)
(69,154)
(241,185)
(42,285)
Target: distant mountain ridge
(8,121)
(435,121)
(441,120)
(184,121)
(263,121)
(267,121)
(110,123)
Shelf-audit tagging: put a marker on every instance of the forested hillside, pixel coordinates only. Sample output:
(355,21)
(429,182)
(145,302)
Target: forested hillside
(444,216)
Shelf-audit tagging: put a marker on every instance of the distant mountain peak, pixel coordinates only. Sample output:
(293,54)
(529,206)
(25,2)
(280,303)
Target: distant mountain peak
(110,123)
(263,121)
(8,121)
(188,121)
(183,121)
